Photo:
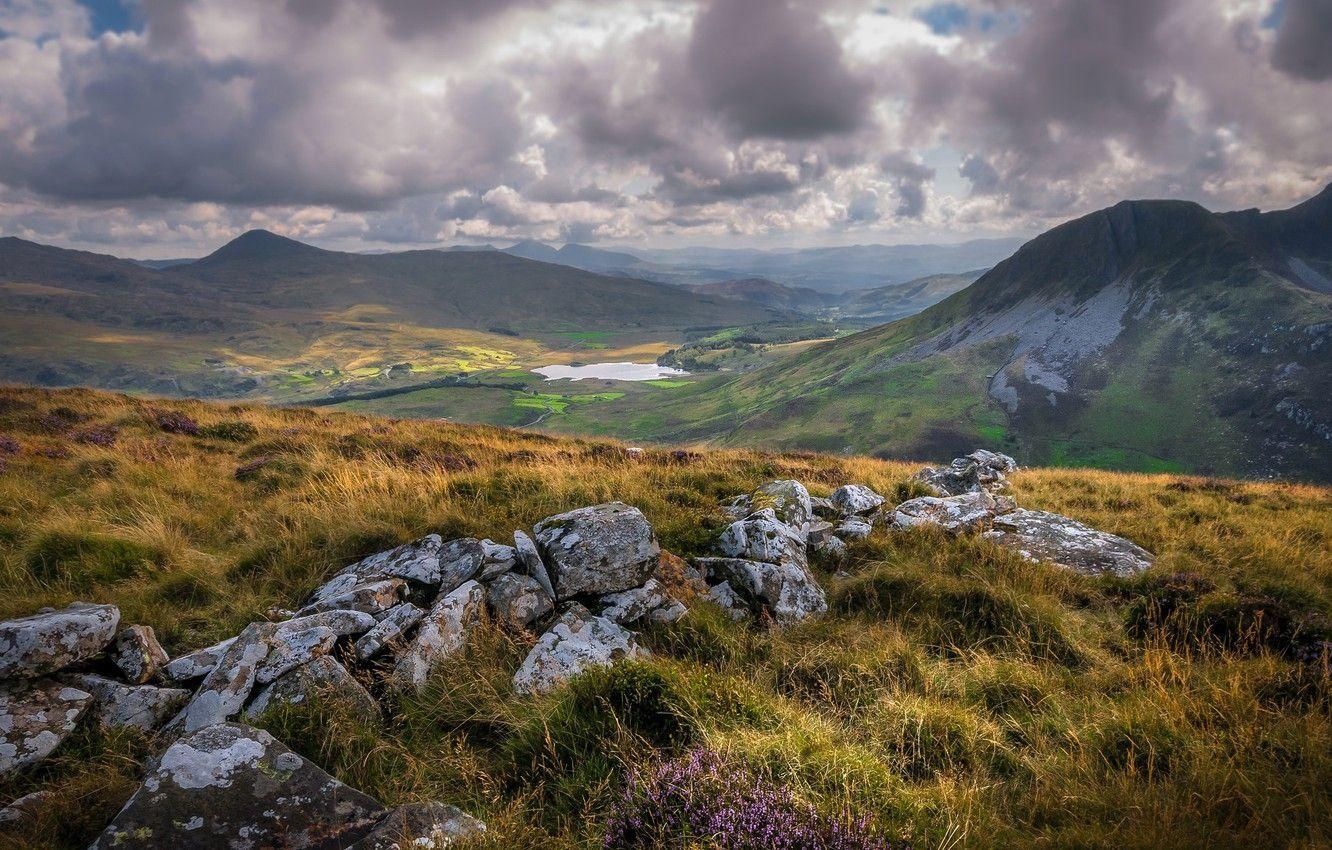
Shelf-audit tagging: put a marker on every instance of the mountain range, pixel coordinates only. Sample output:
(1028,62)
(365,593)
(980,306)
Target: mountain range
(1152,335)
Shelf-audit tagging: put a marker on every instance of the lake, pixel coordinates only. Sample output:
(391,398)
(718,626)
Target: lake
(609,372)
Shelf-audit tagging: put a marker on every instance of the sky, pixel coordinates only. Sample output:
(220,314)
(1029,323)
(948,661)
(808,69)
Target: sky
(161,128)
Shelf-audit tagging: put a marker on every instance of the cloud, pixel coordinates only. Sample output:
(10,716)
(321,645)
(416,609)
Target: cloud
(1304,40)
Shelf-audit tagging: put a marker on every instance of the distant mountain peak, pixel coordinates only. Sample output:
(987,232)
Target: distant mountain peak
(259,245)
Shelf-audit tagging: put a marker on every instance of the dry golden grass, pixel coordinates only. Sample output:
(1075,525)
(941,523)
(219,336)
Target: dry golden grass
(962,697)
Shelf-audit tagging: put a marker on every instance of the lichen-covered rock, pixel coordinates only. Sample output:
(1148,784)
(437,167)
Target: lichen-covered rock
(854,528)
(724,596)
(855,499)
(531,562)
(44,643)
(443,632)
(341,622)
(324,679)
(789,501)
(290,648)
(788,591)
(24,807)
(497,559)
(763,537)
(421,826)
(979,472)
(230,787)
(738,507)
(968,512)
(824,508)
(418,561)
(395,625)
(578,641)
(827,545)
(518,599)
(1065,542)
(373,597)
(459,561)
(137,655)
(35,716)
(120,706)
(598,549)
(650,602)
(197,664)
(227,686)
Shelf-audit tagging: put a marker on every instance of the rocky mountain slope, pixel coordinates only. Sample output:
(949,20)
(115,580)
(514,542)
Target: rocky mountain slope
(1151,335)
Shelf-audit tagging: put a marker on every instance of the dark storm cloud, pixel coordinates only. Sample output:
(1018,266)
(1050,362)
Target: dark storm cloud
(910,178)
(1304,40)
(773,68)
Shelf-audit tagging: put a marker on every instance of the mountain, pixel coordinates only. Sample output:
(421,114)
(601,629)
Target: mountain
(768,293)
(1152,335)
(885,303)
(271,315)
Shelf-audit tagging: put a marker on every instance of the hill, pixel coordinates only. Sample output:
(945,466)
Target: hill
(768,293)
(269,316)
(1151,335)
(883,304)
(949,675)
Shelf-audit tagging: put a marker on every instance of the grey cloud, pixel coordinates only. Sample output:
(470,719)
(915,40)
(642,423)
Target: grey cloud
(911,177)
(1304,41)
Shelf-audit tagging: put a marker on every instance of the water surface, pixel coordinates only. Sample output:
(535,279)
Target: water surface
(610,372)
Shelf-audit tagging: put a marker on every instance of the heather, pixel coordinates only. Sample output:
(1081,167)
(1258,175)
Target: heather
(955,696)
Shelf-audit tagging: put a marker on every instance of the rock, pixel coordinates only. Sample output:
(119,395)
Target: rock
(44,643)
(374,597)
(993,460)
(788,499)
(1065,542)
(24,807)
(531,561)
(763,537)
(35,716)
(230,787)
(577,642)
(855,500)
(459,561)
(599,549)
(120,706)
(418,561)
(979,472)
(827,546)
(680,579)
(824,508)
(341,622)
(137,655)
(723,595)
(443,632)
(421,826)
(968,512)
(497,559)
(634,453)
(518,600)
(738,507)
(324,679)
(227,686)
(647,602)
(787,591)
(289,649)
(854,528)
(197,664)
(396,623)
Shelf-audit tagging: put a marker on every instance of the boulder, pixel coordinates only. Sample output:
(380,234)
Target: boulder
(323,678)
(35,716)
(968,512)
(598,549)
(341,622)
(577,642)
(497,559)
(724,596)
(197,664)
(854,528)
(443,632)
(136,653)
(418,561)
(763,537)
(290,648)
(421,826)
(827,546)
(459,561)
(531,562)
(47,642)
(738,507)
(855,500)
(1065,542)
(979,472)
(395,625)
(373,597)
(518,599)
(231,787)
(650,602)
(227,686)
(789,501)
(120,706)
(788,591)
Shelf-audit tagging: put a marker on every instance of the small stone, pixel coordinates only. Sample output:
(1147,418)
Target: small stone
(373,597)
(789,501)
(291,648)
(44,643)
(417,561)
(738,507)
(137,655)
(723,595)
(854,528)
(443,632)
(518,600)
(956,514)
(120,706)
(763,537)
(647,602)
(788,591)
(459,561)
(855,500)
(322,679)
(24,807)
(421,826)
(388,631)
(497,559)
(227,686)
(577,642)
(197,664)
(35,717)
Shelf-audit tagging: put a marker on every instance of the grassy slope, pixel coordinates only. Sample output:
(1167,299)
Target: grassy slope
(961,697)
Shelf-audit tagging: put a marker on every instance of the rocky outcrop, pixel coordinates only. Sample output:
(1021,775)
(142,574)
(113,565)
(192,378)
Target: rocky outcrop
(1065,542)
(786,591)
(968,512)
(598,549)
(43,643)
(35,716)
(981,471)
(577,642)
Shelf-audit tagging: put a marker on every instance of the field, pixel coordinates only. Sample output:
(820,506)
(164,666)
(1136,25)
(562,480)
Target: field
(955,697)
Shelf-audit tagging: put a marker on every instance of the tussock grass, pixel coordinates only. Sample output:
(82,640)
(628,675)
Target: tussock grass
(958,695)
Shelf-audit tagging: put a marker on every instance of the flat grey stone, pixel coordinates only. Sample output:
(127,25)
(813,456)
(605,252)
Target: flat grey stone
(120,706)
(855,499)
(1065,542)
(197,664)
(372,597)
(47,642)
(597,549)
(390,630)
(35,716)
(227,686)
(459,561)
